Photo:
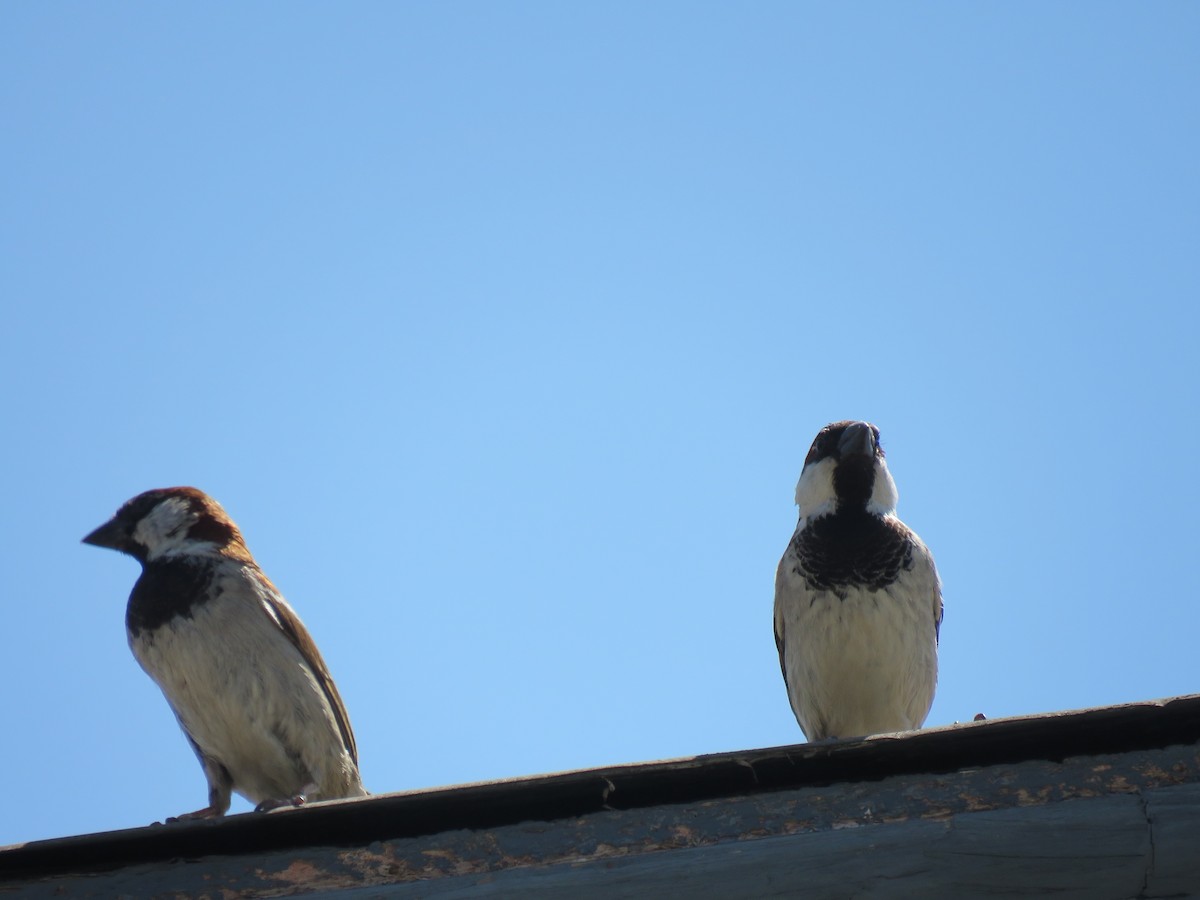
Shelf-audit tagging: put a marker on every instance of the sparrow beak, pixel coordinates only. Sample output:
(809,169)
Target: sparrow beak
(857,440)
(110,535)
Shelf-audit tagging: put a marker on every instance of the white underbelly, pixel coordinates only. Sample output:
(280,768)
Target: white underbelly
(861,665)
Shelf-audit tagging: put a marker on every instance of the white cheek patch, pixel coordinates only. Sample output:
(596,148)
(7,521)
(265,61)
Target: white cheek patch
(814,491)
(815,494)
(884,495)
(164,524)
(164,531)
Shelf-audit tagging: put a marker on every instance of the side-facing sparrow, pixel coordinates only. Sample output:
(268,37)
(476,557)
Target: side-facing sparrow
(234,661)
(858,602)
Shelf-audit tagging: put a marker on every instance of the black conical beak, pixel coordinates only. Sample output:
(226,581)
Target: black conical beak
(110,535)
(857,440)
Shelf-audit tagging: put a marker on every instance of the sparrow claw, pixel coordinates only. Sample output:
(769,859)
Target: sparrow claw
(209,812)
(270,804)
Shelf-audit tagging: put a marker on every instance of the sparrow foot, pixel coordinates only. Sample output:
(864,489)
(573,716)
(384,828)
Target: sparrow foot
(268,805)
(209,812)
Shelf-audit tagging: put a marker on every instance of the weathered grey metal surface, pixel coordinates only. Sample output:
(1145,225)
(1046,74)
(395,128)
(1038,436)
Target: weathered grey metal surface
(1099,803)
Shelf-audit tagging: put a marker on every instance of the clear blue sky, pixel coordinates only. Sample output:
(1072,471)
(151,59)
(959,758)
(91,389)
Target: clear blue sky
(502,331)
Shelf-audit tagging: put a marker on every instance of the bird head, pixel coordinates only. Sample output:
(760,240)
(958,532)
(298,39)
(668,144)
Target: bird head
(178,521)
(845,468)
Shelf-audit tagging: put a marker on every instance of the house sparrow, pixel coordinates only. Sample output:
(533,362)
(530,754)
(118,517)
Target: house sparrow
(858,603)
(236,664)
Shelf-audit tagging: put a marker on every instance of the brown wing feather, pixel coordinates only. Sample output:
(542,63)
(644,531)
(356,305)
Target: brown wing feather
(779,647)
(779,637)
(291,626)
